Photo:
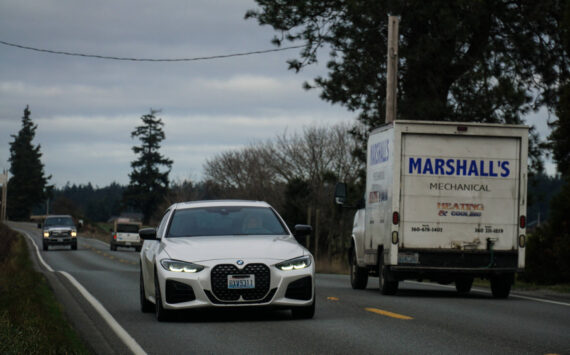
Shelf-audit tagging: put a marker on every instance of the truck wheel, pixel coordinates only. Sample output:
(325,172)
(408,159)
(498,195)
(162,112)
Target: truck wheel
(463,285)
(358,275)
(501,286)
(74,245)
(386,287)
(45,245)
(113,247)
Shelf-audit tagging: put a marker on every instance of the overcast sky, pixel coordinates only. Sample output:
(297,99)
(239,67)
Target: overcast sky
(86,108)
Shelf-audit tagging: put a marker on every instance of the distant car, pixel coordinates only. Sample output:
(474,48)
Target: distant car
(59,230)
(125,233)
(225,254)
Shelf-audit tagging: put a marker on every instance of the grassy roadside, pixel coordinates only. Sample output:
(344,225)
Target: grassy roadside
(31,319)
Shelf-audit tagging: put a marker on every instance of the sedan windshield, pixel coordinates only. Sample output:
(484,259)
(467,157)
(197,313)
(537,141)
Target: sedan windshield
(217,221)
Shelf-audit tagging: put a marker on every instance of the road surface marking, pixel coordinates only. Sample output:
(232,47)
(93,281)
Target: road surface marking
(481,290)
(115,326)
(388,314)
(37,249)
(120,331)
(332,298)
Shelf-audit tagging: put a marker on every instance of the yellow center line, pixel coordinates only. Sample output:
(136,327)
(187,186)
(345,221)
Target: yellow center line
(332,298)
(388,314)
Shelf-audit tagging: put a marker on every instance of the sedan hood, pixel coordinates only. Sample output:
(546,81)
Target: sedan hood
(198,249)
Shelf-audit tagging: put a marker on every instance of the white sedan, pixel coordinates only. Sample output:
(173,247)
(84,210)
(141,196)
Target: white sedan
(225,254)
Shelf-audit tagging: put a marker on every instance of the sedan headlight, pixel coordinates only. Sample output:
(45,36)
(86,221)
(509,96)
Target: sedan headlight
(46,234)
(295,264)
(180,266)
(73,234)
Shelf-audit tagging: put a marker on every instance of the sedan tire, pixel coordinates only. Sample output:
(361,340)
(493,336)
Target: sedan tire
(146,305)
(162,315)
(306,312)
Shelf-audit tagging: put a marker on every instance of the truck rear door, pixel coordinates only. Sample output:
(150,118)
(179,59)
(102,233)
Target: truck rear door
(457,191)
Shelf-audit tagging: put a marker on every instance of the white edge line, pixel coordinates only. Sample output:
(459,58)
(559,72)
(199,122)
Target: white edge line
(480,290)
(542,300)
(120,331)
(37,250)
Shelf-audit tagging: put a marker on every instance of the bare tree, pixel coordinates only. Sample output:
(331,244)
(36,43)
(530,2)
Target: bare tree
(295,171)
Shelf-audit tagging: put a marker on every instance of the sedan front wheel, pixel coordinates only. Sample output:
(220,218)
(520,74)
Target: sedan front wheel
(162,315)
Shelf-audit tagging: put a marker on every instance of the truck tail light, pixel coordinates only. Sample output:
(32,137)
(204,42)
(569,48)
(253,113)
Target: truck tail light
(522,222)
(395,217)
(115,236)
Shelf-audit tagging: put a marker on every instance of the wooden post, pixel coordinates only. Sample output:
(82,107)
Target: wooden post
(309,223)
(392,68)
(316,234)
(4,182)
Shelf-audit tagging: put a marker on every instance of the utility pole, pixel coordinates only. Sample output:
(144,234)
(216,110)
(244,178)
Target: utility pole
(392,68)
(4,182)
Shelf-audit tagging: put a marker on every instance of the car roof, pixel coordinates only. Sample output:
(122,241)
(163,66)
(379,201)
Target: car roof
(220,203)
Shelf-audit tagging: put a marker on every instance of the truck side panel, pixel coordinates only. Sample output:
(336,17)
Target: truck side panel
(379,191)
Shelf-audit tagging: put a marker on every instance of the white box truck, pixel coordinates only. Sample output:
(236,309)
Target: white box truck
(444,202)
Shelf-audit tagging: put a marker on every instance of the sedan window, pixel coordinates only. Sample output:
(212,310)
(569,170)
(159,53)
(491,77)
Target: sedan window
(218,221)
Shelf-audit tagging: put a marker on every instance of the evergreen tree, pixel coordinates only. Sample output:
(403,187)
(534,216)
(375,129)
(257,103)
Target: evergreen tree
(148,183)
(28,185)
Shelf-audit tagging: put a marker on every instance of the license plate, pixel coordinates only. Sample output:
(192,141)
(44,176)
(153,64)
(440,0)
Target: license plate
(408,258)
(238,282)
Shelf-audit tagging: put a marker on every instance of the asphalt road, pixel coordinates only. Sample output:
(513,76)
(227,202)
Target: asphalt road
(421,319)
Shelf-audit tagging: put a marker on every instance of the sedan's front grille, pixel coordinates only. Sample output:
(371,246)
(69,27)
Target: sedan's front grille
(219,278)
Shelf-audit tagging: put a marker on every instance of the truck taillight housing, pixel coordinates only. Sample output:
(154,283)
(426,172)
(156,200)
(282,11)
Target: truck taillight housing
(115,236)
(522,222)
(395,218)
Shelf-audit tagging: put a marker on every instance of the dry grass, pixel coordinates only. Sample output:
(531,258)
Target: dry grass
(31,319)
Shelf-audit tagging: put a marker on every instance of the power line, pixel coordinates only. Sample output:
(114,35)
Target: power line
(148,59)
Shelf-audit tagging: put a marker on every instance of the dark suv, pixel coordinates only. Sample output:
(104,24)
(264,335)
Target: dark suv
(59,230)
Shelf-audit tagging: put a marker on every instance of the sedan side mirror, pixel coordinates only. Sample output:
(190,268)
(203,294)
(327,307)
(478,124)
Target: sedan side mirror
(147,234)
(301,232)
